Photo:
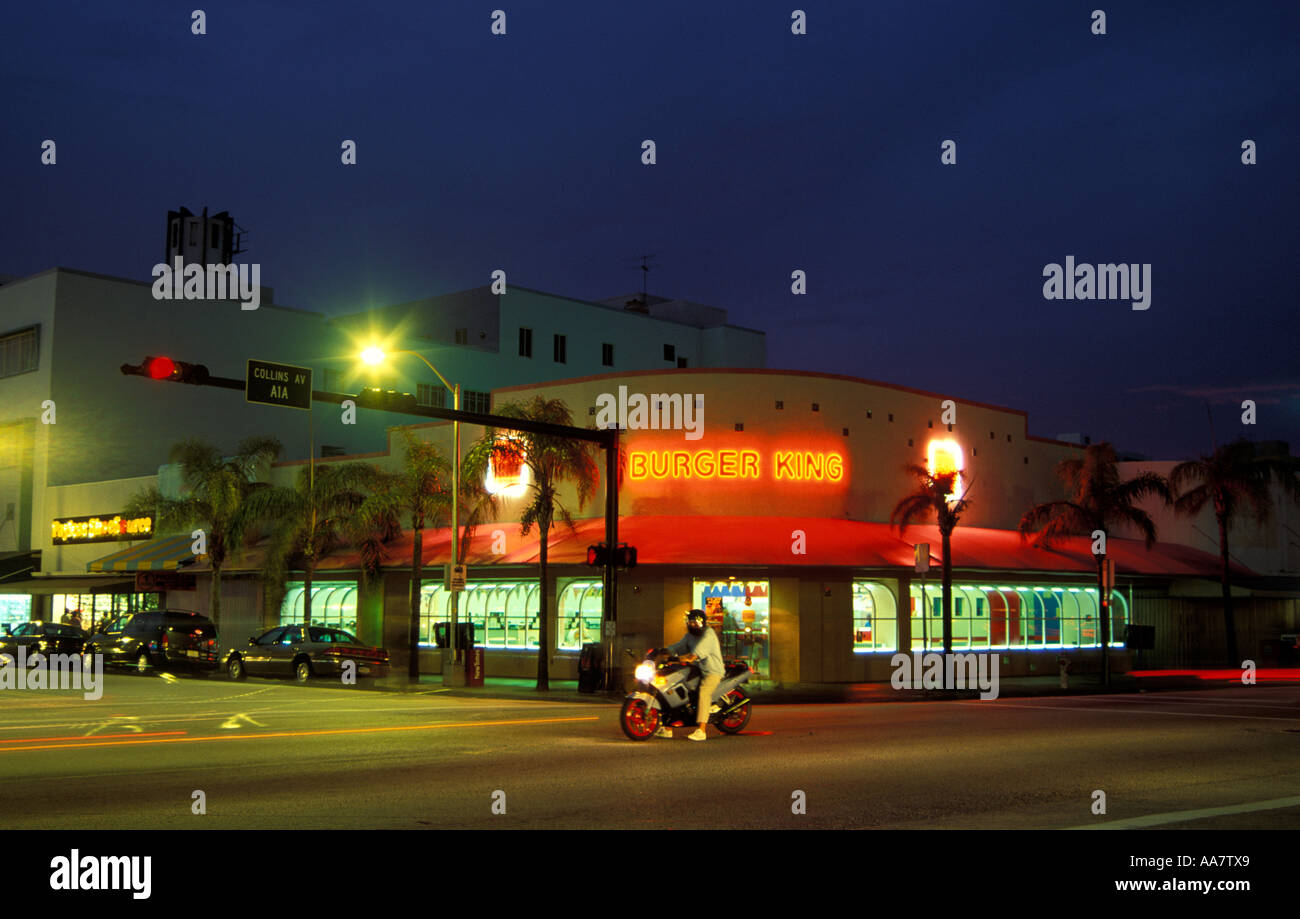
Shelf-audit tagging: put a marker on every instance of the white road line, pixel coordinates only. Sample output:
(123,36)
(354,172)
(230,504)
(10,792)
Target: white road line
(1201,814)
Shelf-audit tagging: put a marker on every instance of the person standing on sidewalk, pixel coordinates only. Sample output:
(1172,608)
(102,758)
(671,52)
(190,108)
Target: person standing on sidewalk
(701,644)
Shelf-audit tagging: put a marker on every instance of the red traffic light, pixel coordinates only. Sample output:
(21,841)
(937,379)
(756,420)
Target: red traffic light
(164,368)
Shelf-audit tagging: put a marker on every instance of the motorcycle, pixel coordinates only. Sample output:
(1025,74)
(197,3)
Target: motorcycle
(666,694)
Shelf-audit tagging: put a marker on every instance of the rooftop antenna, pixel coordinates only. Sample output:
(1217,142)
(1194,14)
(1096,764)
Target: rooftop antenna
(645,279)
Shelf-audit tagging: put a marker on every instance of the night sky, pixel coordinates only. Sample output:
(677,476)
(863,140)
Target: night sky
(775,152)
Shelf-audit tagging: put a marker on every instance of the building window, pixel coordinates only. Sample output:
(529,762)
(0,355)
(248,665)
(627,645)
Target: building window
(846,432)
(929,424)
(681,362)
(525,342)
(992,436)
(816,407)
(875,618)
(909,441)
(974,451)
(1017,617)
(1008,438)
(739,612)
(779,405)
(433,395)
(1026,461)
(670,353)
(581,604)
(607,354)
(868,413)
(891,416)
(216,237)
(480,402)
(504,613)
(740,425)
(462,336)
(949,427)
(19,351)
(176,233)
(560,349)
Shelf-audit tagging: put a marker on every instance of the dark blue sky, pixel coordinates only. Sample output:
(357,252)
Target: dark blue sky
(775,152)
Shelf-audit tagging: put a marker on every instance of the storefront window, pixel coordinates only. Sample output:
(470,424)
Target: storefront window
(1021,617)
(739,612)
(581,607)
(504,613)
(14,608)
(875,617)
(98,608)
(333,604)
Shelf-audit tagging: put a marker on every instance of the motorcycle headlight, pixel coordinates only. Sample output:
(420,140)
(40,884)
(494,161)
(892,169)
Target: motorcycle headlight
(645,671)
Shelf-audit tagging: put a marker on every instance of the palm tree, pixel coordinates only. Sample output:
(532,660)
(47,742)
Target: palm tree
(1098,500)
(214,498)
(552,461)
(1232,479)
(416,493)
(311,519)
(934,495)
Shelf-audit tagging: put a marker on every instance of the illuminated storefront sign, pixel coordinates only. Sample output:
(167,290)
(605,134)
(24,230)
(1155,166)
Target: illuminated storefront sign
(65,530)
(508,474)
(781,465)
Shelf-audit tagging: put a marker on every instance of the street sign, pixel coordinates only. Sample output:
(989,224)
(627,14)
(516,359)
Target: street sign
(922,550)
(453,576)
(270,383)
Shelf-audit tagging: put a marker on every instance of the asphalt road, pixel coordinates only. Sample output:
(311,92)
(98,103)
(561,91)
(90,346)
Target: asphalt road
(276,755)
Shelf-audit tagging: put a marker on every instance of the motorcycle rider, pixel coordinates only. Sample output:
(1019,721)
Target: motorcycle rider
(701,644)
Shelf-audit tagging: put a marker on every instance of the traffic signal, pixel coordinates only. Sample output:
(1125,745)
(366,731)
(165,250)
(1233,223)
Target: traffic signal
(388,400)
(164,368)
(624,555)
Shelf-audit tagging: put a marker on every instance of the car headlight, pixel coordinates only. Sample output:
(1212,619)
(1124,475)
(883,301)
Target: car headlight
(645,672)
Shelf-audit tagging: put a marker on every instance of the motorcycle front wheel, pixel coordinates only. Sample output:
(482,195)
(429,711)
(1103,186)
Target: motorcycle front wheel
(735,721)
(638,720)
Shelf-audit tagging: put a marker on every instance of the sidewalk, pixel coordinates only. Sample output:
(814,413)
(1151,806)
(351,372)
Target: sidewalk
(820,693)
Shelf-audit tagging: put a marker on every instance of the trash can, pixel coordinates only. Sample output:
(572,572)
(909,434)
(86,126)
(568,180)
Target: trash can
(591,667)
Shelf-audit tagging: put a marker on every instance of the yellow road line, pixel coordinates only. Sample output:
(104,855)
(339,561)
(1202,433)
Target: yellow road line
(415,727)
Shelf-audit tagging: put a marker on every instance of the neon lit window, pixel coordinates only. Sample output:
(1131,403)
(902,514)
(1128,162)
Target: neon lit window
(875,618)
(504,613)
(581,604)
(1026,617)
(740,612)
(333,604)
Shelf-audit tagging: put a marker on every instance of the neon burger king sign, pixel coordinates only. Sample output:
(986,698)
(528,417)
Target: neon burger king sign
(780,465)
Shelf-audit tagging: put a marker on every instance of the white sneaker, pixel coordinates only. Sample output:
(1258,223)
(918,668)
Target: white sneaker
(663,732)
(697,734)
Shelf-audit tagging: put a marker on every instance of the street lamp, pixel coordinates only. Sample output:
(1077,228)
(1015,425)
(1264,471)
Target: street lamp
(374,356)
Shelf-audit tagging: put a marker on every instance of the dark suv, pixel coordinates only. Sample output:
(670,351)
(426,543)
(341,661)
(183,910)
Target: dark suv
(162,639)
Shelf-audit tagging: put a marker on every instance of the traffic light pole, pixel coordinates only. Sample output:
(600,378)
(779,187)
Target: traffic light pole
(606,439)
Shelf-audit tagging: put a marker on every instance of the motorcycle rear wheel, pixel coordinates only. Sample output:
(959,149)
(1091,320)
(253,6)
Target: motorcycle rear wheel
(735,721)
(638,720)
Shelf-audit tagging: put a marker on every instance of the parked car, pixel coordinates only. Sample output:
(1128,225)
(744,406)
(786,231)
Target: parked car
(45,637)
(158,639)
(285,651)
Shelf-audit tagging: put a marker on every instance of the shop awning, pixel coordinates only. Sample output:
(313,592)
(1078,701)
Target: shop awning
(163,553)
(772,541)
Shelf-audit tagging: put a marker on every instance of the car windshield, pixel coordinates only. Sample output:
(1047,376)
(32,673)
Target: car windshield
(28,628)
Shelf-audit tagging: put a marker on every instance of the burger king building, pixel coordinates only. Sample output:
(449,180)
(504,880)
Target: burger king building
(767,503)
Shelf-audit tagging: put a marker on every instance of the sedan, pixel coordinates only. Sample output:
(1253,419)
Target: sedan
(45,637)
(322,652)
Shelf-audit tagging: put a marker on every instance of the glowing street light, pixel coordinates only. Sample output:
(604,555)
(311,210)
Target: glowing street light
(374,356)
